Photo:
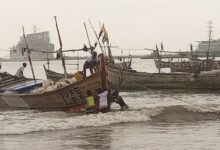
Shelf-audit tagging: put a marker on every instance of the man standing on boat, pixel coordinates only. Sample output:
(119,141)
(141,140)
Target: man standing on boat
(20,71)
(90,63)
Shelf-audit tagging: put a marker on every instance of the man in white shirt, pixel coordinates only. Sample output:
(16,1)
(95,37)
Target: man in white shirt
(20,70)
(90,63)
(103,101)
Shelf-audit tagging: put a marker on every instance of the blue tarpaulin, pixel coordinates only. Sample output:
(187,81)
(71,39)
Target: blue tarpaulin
(25,86)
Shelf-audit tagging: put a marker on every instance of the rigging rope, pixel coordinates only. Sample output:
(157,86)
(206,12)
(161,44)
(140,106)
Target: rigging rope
(121,77)
(149,89)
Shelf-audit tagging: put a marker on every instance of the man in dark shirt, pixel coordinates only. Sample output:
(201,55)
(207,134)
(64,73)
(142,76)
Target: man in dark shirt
(119,100)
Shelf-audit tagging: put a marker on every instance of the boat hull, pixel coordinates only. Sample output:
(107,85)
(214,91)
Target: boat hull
(72,95)
(123,65)
(8,80)
(132,80)
(55,76)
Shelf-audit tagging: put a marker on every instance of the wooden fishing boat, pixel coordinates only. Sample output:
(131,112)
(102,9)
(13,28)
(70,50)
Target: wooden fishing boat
(133,80)
(195,66)
(8,80)
(121,65)
(191,65)
(165,64)
(55,76)
(72,95)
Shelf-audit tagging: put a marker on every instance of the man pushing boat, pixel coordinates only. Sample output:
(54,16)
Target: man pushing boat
(119,100)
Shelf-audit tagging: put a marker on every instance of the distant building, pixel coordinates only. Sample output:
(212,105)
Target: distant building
(214,46)
(37,41)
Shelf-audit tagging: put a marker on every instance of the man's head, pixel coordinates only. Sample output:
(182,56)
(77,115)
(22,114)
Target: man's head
(24,64)
(89,93)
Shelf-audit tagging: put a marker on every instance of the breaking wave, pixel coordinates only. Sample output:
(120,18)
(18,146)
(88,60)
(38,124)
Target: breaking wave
(180,113)
(20,122)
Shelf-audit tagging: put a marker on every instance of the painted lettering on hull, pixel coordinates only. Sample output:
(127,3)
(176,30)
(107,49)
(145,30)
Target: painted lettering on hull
(73,96)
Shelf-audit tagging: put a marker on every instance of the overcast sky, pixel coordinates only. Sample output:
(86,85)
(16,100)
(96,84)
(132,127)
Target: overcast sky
(130,23)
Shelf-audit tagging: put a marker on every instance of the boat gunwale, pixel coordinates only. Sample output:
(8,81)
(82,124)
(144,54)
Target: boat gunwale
(56,90)
(147,73)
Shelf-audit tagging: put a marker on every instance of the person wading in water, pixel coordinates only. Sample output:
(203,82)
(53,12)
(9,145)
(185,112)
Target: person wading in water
(90,103)
(119,100)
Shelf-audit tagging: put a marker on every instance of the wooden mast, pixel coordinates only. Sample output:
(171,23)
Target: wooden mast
(28,51)
(100,26)
(191,50)
(96,36)
(103,71)
(48,62)
(78,61)
(102,61)
(61,47)
(88,37)
(210,32)
(108,46)
(159,58)
(162,49)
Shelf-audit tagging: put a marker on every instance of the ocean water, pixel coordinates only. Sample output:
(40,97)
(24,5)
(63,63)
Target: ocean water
(156,120)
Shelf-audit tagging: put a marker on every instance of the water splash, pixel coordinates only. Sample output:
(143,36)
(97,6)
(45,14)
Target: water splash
(20,122)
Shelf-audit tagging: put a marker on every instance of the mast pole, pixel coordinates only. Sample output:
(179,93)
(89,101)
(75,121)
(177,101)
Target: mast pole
(209,44)
(96,36)
(61,48)
(100,26)
(191,50)
(87,35)
(48,62)
(29,57)
(78,61)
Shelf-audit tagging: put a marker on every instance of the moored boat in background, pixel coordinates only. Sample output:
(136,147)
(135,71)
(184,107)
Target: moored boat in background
(133,80)
(55,76)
